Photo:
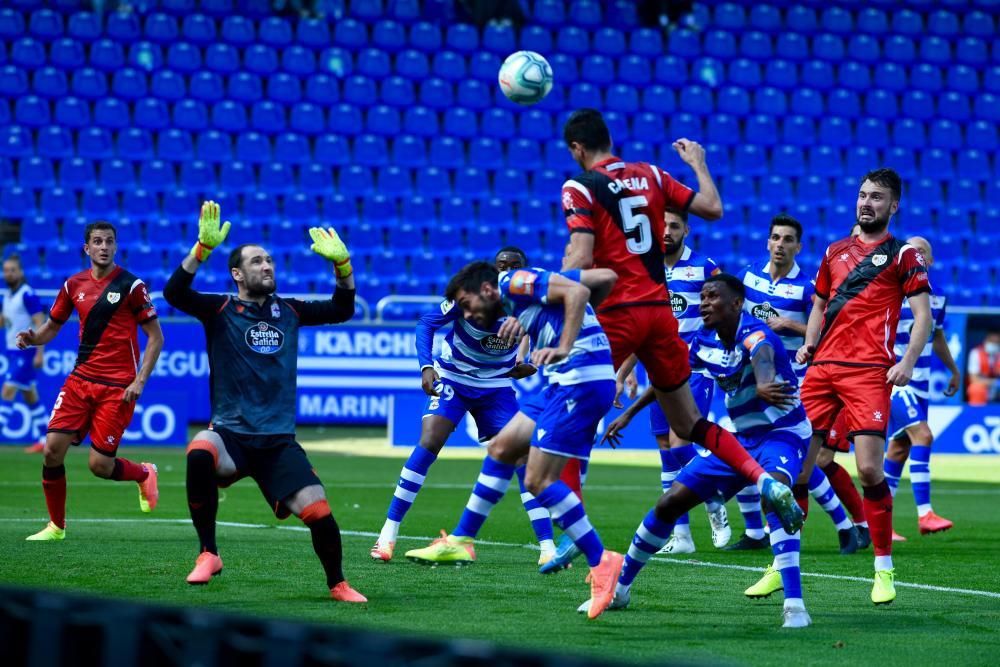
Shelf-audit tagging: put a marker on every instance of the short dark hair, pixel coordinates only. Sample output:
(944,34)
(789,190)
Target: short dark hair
(887,178)
(101,225)
(679,212)
(14,257)
(587,127)
(730,281)
(785,220)
(514,249)
(236,256)
(470,277)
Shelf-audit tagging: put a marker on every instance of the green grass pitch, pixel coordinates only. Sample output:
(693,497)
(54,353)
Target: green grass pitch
(689,608)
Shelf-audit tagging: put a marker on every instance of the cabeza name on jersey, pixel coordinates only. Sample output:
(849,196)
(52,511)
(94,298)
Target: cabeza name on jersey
(631,183)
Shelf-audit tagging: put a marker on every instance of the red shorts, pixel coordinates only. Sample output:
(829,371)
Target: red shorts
(859,393)
(84,407)
(837,438)
(650,333)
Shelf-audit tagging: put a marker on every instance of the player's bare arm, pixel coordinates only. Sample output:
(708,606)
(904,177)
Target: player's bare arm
(600,282)
(574,297)
(523,369)
(613,432)
(901,373)
(579,252)
(154,345)
(38,320)
(786,325)
(707,203)
(939,345)
(813,327)
(776,393)
(39,336)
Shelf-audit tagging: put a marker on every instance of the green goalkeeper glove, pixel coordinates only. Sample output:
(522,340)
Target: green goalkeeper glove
(327,244)
(210,233)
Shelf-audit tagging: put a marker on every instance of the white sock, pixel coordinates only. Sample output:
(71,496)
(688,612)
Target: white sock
(547,545)
(389,531)
(760,482)
(621,589)
(795,604)
(883,563)
(683,530)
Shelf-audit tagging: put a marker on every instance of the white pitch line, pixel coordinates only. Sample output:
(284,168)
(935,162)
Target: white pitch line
(369,534)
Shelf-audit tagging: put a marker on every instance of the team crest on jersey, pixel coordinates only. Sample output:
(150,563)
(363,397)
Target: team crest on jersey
(264,338)
(678,303)
(523,283)
(879,260)
(275,310)
(763,311)
(114,297)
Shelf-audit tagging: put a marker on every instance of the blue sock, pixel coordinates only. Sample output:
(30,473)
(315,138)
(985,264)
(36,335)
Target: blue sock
(893,470)
(649,538)
(920,477)
(411,479)
(568,513)
(671,466)
(541,522)
(749,501)
(684,454)
(820,489)
(489,489)
(785,548)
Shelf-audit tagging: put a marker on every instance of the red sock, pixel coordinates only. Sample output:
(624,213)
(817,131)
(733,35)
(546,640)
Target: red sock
(721,442)
(571,477)
(801,493)
(54,486)
(127,471)
(878,509)
(843,486)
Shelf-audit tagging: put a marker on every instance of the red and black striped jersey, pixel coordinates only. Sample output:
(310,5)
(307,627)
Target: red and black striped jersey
(622,204)
(110,311)
(864,285)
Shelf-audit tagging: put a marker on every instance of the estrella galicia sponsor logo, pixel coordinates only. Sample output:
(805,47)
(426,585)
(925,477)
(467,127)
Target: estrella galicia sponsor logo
(763,311)
(678,303)
(264,338)
(495,344)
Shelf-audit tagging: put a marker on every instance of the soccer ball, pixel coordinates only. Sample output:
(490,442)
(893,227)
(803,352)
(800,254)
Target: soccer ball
(525,77)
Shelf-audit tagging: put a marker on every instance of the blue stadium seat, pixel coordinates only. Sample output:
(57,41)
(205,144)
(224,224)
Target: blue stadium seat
(253,148)
(107,55)
(854,76)
(617,125)
(609,42)
(902,160)
(117,175)
(964,79)
(917,104)
(214,146)
(486,153)
(35,172)
(222,58)
(649,126)
(275,31)
(781,74)
(524,153)
(449,65)
(13,81)
(731,100)
(124,27)
(48,82)
(11,24)
(413,64)
(356,182)
(151,113)
(558,158)
(316,178)
(284,88)
(872,132)
(798,130)
(907,22)
(229,116)
(837,20)
(190,115)
(434,184)
(978,24)
(943,23)
(16,142)
(322,89)
(772,101)
(275,177)
(926,77)
(462,37)
(499,38)
(345,119)
(245,87)
(683,125)
(900,49)
(936,161)
(634,70)
(756,45)
(671,71)
(583,94)
(360,91)
(724,130)
(314,33)
(738,190)
(973,164)
(973,51)
(238,30)
(824,161)
(498,123)
(198,28)
(935,50)
(860,160)
(622,98)
(982,135)
(425,36)
(536,38)
(945,133)
(389,36)
(260,207)
(184,57)
(396,182)
(788,161)
(298,60)
(77,174)
(260,59)
(111,113)
(436,94)
(67,53)
(370,151)
(473,182)
(88,83)
(383,120)
(134,142)
(460,122)
(58,204)
(511,184)
(573,40)
(926,192)
(792,46)
(872,21)
(864,48)
(550,12)
(586,13)
(819,74)
(174,145)
(720,44)
(236,177)
(954,106)
(129,84)
(85,26)
(730,15)
(94,143)
(168,85)
(159,27)
(420,121)
(765,17)
(815,190)
(801,19)
(698,100)
(306,118)
(749,160)
(207,87)
(743,72)
(987,107)
(373,63)
(835,131)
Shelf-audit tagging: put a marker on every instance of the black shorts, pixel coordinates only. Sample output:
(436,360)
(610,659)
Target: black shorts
(276,462)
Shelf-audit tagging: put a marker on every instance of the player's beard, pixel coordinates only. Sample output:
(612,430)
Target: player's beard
(669,247)
(257,288)
(876,225)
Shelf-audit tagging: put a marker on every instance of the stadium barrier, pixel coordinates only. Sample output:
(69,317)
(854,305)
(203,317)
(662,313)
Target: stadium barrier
(54,628)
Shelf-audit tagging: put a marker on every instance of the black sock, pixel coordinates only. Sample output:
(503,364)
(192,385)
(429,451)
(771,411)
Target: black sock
(326,542)
(203,497)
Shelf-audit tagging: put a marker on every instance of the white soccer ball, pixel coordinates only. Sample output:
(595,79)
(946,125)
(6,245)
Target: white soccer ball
(525,77)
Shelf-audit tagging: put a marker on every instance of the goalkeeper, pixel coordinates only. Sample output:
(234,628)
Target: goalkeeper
(252,340)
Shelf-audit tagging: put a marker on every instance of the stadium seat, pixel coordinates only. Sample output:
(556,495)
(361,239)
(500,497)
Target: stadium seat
(936,161)
(801,19)
(436,94)
(524,154)
(111,113)
(987,107)
(190,115)
(435,183)
(77,174)
(972,51)
(425,37)
(982,135)
(499,38)
(926,192)
(345,119)
(872,132)
(35,173)
(935,50)
(291,148)
(236,177)
(462,37)
(67,53)
(854,76)
(184,58)
(260,59)
(610,42)
(448,65)
(275,177)
(473,183)
(207,87)
(670,71)
(907,22)
(917,104)
(902,160)
(238,30)
(720,44)
(275,31)
(498,123)
(93,142)
(229,116)
(792,46)
(731,100)
(175,145)
(684,44)
(116,175)
(872,21)
(649,126)
(389,36)
(214,146)
(89,84)
(373,63)
(253,148)
(159,27)
(198,28)
(151,113)
(409,151)
(58,204)
(84,26)
(32,111)
(798,130)
(622,98)
(486,153)
(945,133)
(828,47)
(420,121)
(900,49)
(315,178)
(824,161)
(742,72)
(107,55)
(460,122)
(787,161)
(881,104)
(398,92)
(973,164)
(168,85)
(926,77)
(134,143)
(284,88)
(818,74)
(860,160)
(954,106)
(749,160)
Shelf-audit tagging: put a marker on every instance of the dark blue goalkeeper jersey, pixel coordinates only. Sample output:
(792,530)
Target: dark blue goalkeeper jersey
(253,351)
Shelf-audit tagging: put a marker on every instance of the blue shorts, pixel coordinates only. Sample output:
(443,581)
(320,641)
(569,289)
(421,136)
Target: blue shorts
(702,388)
(778,451)
(21,371)
(907,409)
(491,407)
(566,417)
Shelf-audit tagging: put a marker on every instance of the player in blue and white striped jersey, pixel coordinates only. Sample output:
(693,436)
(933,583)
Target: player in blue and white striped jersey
(780,293)
(749,363)
(471,374)
(908,416)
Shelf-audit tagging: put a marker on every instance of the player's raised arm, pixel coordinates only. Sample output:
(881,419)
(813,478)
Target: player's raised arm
(600,282)
(211,234)
(178,291)
(707,203)
(340,307)
(574,297)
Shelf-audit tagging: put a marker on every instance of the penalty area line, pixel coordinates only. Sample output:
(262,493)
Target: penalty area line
(534,547)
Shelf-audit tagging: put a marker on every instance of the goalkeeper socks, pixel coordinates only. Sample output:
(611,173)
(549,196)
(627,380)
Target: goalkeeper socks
(54,486)
(326,540)
(893,470)
(801,494)
(490,487)
(723,444)
(820,489)
(843,485)
(541,522)
(920,477)
(568,513)
(878,511)
(785,548)
(584,469)
(651,535)
(411,480)
(572,476)
(128,471)
(749,502)
(203,497)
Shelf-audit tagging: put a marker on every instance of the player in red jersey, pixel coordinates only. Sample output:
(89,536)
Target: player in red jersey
(849,343)
(615,213)
(99,395)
